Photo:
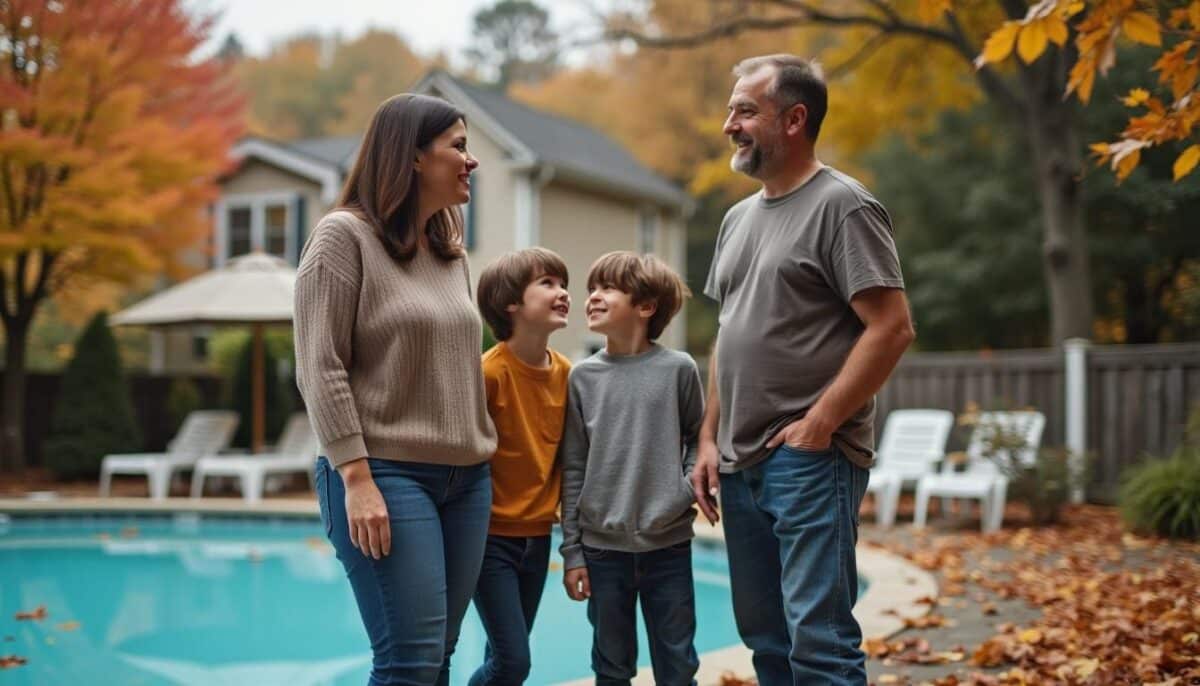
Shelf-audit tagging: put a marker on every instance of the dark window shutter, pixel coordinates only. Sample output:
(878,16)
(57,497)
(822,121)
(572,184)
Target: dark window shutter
(301,226)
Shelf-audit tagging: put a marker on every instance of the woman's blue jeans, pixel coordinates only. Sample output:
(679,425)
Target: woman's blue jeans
(412,601)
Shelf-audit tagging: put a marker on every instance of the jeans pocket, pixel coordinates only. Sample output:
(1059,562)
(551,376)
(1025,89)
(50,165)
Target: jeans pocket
(590,553)
(806,452)
(321,483)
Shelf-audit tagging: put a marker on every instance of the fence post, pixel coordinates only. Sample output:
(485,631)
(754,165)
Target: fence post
(1075,367)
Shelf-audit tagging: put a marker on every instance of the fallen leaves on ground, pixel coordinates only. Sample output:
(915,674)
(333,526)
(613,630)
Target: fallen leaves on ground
(10,661)
(1116,608)
(38,613)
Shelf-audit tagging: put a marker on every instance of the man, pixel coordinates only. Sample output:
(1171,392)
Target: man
(812,320)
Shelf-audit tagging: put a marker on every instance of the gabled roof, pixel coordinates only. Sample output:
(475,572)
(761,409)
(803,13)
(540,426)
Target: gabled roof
(532,138)
(573,149)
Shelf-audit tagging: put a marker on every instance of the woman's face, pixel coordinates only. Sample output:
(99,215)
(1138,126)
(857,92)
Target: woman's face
(444,169)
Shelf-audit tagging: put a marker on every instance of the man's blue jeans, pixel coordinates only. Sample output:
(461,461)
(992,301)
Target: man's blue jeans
(791,523)
(412,601)
(662,580)
(507,597)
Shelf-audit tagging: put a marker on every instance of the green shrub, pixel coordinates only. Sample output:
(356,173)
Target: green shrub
(278,402)
(182,399)
(93,415)
(1163,496)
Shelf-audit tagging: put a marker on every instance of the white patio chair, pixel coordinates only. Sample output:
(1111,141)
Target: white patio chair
(913,442)
(296,452)
(983,479)
(204,432)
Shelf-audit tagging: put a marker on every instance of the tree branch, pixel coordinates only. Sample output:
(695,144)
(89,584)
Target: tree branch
(861,55)
(888,22)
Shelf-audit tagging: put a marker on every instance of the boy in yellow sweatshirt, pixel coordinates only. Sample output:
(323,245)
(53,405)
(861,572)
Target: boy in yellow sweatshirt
(523,298)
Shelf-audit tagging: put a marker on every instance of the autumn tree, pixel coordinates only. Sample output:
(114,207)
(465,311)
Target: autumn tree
(1030,90)
(111,137)
(514,42)
(316,85)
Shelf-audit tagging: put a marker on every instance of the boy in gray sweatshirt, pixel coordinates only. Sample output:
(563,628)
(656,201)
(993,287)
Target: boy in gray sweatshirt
(629,442)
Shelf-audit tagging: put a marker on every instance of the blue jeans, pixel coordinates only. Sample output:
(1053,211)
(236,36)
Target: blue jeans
(662,580)
(412,601)
(507,597)
(791,522)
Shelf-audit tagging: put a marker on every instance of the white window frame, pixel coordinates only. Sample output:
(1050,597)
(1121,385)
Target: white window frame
(647,233)
(257,202)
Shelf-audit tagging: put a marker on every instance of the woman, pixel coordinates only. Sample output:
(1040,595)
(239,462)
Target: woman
(387,352)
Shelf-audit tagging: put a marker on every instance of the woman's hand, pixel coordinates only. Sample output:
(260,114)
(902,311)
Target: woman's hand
(370,529)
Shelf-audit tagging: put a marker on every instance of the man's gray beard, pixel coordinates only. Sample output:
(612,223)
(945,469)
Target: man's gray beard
(747,164)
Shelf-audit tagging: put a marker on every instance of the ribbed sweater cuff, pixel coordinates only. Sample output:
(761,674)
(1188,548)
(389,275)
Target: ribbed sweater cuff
(573,557)
(346,449)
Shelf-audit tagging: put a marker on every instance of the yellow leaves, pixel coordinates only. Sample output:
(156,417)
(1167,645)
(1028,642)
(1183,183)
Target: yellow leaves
(1031,636)
(1136,97)
(1084,668)
(1031,42)
(1186,162)
(999,45)
(1056,30)
(1142,28)
(1193,13)
(930,10)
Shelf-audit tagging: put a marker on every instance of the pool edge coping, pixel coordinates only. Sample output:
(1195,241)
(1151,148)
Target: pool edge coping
(894,588)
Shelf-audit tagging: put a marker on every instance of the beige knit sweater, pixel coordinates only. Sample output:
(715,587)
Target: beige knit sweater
(387,354)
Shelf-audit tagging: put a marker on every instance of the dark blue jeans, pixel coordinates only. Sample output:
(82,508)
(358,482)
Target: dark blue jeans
(507,597)
(412,601)
(662,580)
(791,523)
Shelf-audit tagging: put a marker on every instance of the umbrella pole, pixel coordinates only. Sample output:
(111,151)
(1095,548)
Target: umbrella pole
(258,391)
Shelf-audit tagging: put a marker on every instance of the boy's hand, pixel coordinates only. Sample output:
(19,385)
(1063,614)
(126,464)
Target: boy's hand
(578,586)
(705,482)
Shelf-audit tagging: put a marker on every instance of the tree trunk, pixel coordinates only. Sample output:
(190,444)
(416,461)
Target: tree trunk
(1058,165)
(12,423)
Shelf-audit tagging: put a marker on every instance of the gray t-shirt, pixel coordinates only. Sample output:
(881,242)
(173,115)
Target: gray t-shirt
(784,271)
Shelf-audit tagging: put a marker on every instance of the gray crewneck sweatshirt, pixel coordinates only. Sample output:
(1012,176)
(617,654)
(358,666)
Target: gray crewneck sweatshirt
(628,446)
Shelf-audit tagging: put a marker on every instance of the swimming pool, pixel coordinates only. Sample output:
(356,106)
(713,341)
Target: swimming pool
(200,600)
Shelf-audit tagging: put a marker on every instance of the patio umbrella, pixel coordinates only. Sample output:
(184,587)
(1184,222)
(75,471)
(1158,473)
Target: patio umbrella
(254,290)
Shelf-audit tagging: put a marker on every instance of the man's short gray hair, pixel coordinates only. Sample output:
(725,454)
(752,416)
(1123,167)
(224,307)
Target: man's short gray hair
(797,81)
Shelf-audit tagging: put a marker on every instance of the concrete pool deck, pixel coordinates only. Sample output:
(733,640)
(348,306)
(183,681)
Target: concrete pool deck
(894,584)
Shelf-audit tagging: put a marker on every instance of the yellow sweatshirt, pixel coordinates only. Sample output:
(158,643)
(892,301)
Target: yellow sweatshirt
(527,405)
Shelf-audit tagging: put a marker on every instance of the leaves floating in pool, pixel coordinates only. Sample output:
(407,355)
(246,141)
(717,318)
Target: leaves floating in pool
(10,661)
(69,626)
(129,532)
(38,613)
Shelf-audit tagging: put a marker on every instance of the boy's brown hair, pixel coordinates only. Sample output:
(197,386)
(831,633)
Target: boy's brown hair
(646,279)
(503,282)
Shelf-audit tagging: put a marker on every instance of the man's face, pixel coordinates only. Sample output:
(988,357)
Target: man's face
(754,125)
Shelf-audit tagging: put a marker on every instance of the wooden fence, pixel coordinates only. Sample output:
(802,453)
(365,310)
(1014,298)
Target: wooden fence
(1137,398)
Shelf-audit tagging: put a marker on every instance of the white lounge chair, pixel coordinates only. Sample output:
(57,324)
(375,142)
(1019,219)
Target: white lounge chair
(913,442)
(204,432)
(983,479)
(296,452)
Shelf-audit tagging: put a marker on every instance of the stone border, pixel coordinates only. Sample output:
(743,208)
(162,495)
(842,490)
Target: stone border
(894,584)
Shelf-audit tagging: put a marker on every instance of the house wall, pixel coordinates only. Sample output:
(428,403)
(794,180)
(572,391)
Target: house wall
(581,225)
(492,191)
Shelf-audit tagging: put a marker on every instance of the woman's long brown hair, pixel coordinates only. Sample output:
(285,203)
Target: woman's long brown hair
(382,186)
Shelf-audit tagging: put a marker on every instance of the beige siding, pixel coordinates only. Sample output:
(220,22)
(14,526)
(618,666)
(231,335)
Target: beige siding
(581,226)
(258,177)
(492,192)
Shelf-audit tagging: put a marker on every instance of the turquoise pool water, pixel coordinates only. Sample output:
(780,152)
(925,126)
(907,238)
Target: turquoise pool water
(205,601)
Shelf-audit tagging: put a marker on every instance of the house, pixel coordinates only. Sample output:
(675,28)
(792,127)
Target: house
(543,180)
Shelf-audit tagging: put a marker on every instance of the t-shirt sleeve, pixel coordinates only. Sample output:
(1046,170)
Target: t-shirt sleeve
(862,253)
(711,288)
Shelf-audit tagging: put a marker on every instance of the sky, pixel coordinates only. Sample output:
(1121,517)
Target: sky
(429,26)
